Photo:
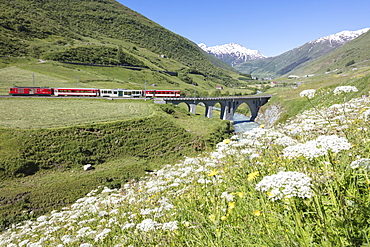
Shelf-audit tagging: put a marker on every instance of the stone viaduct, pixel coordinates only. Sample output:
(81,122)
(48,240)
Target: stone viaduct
(228,104)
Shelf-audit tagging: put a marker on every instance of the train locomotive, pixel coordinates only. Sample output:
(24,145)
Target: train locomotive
(92,92)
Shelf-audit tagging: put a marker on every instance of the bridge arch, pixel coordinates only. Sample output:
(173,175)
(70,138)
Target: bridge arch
(244,105)
(253,105)
(228,104)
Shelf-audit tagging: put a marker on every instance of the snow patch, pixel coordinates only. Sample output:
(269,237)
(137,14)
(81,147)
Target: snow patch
(341,37)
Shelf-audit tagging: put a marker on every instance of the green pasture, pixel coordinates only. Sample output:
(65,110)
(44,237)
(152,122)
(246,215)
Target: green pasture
(31,72)
(288,96)
(28,72)
(50,190)
(43,149)
(36,113)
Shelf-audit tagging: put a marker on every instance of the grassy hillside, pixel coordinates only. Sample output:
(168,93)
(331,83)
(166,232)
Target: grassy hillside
(311,58)
(287,92)
(33,72)
(287,62)
(353,55)
(35,113)
(104,33)
(41,161)
(304,182)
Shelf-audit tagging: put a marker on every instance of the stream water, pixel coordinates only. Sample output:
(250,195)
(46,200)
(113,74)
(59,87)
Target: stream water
(243,124)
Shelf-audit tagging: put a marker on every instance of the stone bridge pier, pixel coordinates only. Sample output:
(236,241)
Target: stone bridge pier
(228,104)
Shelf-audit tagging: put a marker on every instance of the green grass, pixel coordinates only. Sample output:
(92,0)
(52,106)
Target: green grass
(40,160)
(46,191)
(35,113)
(288,96)
(31,72)
(214,199)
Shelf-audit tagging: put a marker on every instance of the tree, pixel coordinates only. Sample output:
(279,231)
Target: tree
(120,55)
(216,93)
(350,63)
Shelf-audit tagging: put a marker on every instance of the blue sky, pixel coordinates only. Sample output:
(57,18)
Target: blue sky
(270,26)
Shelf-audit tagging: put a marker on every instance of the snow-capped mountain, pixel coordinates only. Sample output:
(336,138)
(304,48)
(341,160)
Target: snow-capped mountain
(299,57)
(232,53)
(341,37)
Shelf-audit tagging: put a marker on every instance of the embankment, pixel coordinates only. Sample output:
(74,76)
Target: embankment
(41,170)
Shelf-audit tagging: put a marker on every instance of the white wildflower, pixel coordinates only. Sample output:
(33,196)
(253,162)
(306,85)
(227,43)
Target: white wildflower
(367,115)
(84,232)
(103,213)
(286,185)
(42,218)
(227,196)
(145,211)
(285,141)
(128,225)
(345,89)
(102,234)
(171,226)
(107,190)
(23,243)
(309,93)
(361,163)
(204,181)
(147,225)
(67,239)
(254,156)
(34,245)
(316,148)
(86,245)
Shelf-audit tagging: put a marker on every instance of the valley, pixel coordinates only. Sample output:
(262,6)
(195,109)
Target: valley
(162,176)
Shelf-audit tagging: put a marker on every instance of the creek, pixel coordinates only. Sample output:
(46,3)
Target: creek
(242,123)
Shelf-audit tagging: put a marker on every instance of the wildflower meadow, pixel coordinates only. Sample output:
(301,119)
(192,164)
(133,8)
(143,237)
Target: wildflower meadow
(302,183)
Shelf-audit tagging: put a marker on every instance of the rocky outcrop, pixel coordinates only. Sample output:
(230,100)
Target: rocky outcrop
(269,114)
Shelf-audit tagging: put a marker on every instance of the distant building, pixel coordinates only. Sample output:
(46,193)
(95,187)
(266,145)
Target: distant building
(220,87)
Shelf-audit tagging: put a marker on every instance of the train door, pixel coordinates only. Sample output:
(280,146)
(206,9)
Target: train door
(120,93)
(31,91)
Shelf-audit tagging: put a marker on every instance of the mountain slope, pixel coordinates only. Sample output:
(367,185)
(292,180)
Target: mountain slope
(232,53)
(298,57)
(351,55)
(97,31)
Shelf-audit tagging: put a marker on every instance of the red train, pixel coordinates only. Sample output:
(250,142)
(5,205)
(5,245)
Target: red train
(31,91)
(92,92)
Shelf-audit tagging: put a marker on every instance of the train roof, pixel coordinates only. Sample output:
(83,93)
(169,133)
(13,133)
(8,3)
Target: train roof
(162,89)
(30,87)
(74,88)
